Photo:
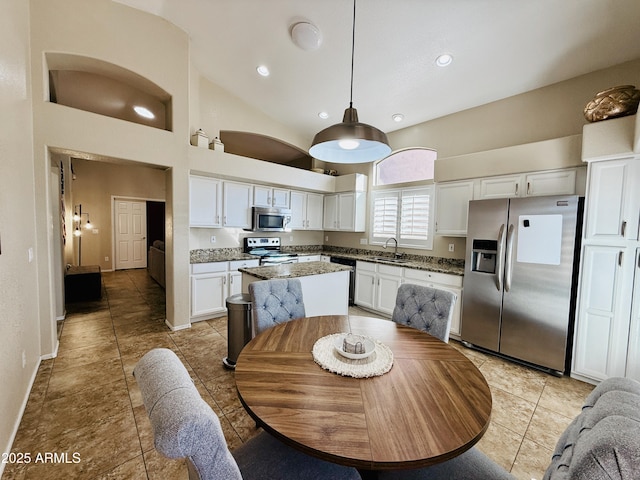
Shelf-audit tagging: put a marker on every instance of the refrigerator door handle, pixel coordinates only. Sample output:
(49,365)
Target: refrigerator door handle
(500,258)
(509,259)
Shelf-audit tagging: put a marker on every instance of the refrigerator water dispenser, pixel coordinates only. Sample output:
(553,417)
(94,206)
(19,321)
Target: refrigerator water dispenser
(484,256)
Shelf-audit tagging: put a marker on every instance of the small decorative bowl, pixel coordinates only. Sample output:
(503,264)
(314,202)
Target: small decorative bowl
(355,347)
(613,102)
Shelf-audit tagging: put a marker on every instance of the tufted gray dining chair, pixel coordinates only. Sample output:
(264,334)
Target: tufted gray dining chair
(275,301)
(425,308)
(185,426)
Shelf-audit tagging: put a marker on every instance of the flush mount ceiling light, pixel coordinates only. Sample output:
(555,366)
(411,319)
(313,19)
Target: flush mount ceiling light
(323,115)
(397,117)
(262,70)
(306,36)
(444,60)
(350,141)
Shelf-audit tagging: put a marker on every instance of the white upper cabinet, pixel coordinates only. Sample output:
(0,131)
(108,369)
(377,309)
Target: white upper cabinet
(264,196)
(558,182)
(205,202)
(237,205)
(562,182)
(345,212)
(306,211)
(613,205)
(500,187)
(452,207)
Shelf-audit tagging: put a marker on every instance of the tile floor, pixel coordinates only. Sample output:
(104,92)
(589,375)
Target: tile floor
(86,401)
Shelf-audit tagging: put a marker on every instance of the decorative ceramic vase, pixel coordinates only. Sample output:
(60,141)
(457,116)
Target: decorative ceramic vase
(613,102)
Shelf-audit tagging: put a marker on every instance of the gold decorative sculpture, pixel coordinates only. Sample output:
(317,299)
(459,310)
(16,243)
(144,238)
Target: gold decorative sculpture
(613,102)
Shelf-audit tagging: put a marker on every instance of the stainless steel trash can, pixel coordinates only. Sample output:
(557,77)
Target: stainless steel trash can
(239,327)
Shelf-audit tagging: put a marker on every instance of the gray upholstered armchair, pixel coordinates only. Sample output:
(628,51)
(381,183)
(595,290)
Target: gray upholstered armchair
(184,426)
(276,301)
(601,443)
(425,308)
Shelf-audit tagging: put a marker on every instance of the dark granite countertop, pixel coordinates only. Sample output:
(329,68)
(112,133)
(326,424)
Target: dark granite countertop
(419,262)
(293,270)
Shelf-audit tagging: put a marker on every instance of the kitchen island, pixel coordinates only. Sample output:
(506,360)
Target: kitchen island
(325,286)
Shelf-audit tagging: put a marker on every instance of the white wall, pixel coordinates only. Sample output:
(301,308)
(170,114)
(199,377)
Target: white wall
(19,315)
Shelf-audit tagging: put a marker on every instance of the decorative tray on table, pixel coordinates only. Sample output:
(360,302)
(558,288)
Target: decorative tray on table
(352,355)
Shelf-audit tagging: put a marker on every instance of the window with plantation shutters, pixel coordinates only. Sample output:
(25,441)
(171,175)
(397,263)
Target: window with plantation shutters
(405,214)
(414,215)
(385,214)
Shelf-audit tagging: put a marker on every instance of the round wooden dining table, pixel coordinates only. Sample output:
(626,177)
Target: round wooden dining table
(433,405)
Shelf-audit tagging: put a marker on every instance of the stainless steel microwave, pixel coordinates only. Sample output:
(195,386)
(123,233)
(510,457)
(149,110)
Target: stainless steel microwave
(267,219)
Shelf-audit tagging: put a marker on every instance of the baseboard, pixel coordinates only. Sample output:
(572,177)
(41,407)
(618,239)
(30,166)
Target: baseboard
(19,417)
(175,329)
(53,354)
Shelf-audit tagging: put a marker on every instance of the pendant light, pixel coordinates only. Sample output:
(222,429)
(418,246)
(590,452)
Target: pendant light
(350,141)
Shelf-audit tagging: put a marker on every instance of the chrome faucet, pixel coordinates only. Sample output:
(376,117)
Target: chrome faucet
(395,253)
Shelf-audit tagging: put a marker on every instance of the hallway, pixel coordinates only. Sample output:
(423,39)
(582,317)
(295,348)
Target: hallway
(85,405)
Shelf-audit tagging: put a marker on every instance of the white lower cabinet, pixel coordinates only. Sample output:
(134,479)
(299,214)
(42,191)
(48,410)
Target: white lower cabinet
(377,287)
(213,282)
(442,281)
(602,325)
(365,290)
(208,288)
(633,354)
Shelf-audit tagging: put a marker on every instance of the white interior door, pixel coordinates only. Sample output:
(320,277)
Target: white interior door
(131,234)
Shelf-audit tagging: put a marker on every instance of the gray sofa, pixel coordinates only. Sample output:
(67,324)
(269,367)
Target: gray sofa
(155,262)
(602,443)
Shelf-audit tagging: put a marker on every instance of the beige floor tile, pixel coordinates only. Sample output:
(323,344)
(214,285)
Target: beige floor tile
(501,445)
(133,469)
(531,462)
(565,395)
(511,411)
(513,378)
(546,427)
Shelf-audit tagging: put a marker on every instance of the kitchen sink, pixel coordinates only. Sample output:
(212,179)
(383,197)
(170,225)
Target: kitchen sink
(390,259)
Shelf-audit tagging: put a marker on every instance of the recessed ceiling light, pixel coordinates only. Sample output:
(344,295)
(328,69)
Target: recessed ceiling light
(397,117)
(143,112)
(323,115)
(263,70)
(444,60)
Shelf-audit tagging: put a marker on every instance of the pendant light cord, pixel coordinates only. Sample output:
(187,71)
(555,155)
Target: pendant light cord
(353,43)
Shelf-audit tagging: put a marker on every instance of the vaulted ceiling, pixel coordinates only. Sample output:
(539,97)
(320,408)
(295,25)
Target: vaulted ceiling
(500,48)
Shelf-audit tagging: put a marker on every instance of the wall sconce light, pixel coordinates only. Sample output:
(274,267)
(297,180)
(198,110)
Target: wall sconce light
(77,231)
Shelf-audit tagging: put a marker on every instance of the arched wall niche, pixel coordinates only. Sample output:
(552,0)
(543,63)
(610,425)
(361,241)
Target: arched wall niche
(104,88)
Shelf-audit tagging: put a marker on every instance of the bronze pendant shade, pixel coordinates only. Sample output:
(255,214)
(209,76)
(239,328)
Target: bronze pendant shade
(350,141)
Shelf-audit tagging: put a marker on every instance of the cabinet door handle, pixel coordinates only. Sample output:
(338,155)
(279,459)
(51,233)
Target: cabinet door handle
(516,192)
(620,256)
(528,188)
(623,228)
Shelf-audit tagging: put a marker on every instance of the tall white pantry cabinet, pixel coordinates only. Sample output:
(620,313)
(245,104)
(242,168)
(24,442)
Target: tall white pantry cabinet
(607,330)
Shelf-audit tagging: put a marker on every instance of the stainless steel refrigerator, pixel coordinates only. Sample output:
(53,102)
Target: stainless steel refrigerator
(520,278)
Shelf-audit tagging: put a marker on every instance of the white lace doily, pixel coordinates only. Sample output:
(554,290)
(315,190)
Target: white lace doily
(378,363)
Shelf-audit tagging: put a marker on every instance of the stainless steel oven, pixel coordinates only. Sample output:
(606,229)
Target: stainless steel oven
(268,250)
